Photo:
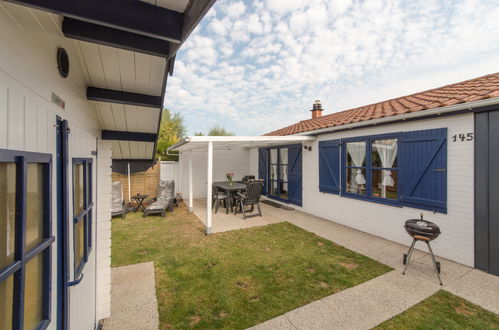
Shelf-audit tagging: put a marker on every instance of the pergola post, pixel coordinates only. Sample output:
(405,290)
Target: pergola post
(190,181)
(209,187)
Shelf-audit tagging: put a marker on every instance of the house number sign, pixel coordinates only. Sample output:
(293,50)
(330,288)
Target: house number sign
(462,137)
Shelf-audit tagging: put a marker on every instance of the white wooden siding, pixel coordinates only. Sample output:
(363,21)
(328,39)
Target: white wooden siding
(28,76)
(457,239)
(235,160)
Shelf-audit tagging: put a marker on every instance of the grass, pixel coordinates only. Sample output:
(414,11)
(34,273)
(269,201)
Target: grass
(235,279)
(443,310)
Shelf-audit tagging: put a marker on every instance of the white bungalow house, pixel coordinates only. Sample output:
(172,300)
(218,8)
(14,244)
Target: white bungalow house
(373,167)
(81,85)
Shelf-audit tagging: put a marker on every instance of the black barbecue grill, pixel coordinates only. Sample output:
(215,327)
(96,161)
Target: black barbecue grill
(425,231)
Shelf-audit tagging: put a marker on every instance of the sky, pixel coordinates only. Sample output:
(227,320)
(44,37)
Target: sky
(256,66)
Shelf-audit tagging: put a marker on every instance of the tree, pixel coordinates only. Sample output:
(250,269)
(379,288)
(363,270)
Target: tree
(219,131)
(198,134)
(171,130)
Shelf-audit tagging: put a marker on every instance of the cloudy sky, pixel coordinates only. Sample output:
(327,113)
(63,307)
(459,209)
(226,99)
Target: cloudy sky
(255,66)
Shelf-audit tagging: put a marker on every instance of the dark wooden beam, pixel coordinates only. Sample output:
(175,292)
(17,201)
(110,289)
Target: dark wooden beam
(128,136)
(195,11)
(112,96)
(103,35)
(129,15)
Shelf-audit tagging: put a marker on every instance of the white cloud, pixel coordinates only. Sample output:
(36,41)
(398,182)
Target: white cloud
(236,9)
(257,66)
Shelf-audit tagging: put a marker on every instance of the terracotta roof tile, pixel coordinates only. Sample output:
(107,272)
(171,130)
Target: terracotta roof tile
(470,90)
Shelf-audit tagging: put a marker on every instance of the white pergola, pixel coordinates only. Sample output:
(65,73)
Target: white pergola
(226,142)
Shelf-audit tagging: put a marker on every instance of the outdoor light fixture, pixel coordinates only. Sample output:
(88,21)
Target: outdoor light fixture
(309,148)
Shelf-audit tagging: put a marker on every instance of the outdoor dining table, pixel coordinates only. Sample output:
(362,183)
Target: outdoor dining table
(229,190)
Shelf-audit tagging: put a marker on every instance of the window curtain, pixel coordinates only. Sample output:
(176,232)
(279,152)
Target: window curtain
(357,151)
(387,150)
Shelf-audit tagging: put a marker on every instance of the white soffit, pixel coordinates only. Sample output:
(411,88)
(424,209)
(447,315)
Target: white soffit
(176,5)
(132,150)
(228,142)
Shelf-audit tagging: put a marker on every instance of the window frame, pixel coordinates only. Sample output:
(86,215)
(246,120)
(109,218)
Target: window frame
(21,159)
(85,214)
(369,139)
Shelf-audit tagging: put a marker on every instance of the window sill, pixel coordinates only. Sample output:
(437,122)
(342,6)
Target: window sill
(377,200)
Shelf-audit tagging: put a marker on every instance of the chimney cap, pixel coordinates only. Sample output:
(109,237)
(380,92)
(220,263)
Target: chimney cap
(317,105)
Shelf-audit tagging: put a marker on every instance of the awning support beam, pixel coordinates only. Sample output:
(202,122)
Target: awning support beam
(190,182)
(112,96)
(133,16)
(209,188)
(128,136)
(103,35)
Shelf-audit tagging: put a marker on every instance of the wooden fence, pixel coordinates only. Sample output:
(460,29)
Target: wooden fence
(144,183)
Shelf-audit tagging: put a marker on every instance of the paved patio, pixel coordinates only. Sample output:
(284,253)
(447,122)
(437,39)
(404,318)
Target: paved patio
(370,303)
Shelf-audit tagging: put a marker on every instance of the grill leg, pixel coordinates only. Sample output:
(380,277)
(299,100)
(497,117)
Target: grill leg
(434,262)
(409,255)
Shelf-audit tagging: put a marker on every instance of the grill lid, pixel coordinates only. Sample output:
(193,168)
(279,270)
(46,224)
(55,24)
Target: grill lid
(422,227)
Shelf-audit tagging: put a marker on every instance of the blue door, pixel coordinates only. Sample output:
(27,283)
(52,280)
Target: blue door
(295,175)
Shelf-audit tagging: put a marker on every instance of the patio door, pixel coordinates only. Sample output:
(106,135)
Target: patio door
(284,173)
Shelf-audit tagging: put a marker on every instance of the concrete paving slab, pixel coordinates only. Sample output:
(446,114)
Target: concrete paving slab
(479,288)
(133,298)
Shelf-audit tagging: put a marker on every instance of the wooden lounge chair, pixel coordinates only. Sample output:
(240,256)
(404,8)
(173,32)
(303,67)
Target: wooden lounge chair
(250,197)
(117,202)
(164,201)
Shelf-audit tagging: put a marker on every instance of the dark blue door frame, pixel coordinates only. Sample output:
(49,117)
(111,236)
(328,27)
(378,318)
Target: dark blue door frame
(62,224)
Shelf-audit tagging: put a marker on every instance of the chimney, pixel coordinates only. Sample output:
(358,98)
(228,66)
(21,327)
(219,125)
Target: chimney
(317,109)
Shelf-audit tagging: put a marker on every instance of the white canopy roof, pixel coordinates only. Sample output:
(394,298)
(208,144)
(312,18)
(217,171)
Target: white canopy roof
(227,142)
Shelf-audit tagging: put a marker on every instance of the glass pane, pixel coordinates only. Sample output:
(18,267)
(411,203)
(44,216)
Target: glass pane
(273,156)
(283,193)
(273,172)
(356,154)
(77,189)
(273,188)
(384,153)
(355,181)
(88,183)
(79,241)
(34,206)
(283,154)
(6,302)
(384,183)
(7,213)
(283,173)
(33,295)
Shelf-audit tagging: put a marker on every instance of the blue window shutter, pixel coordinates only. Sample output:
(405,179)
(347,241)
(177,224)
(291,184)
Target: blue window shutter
(263,167)
(295,174)
(329,166)
(423,169)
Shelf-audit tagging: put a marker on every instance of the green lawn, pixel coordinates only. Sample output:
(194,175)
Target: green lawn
(443,310)
(234,279)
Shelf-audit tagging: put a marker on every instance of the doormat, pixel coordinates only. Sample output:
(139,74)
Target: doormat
(277,205)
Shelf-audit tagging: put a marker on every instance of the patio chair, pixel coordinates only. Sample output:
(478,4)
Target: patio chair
(250,197)
(164,201)
(117,202)
(246,178)
(218,195)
